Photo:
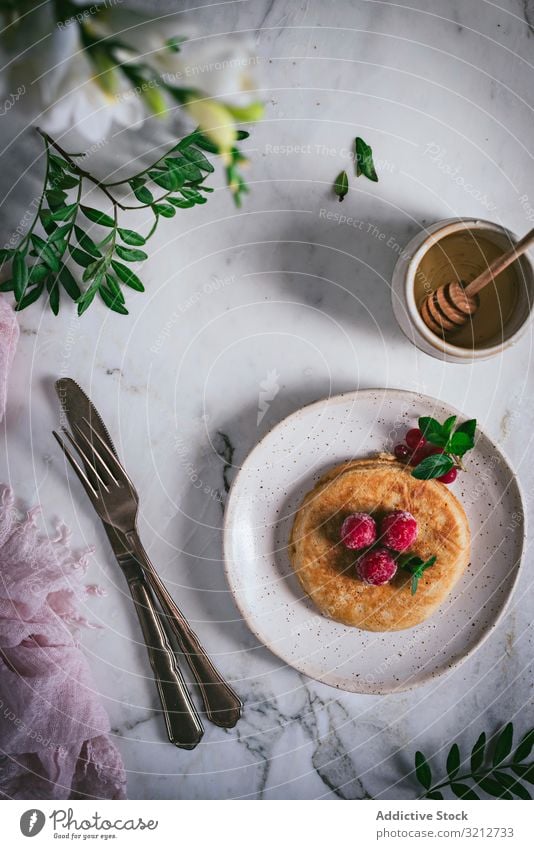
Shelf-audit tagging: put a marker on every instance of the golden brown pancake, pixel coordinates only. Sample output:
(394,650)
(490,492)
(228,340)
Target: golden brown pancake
(327,570)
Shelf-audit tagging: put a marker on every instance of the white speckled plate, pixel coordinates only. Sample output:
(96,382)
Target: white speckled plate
(270,487)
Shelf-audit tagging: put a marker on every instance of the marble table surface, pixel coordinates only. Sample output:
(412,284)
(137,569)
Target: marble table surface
(276,300)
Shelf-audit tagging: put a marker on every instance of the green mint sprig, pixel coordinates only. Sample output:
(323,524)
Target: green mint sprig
(495,769)
(416,566)
(455,442)
(59,236)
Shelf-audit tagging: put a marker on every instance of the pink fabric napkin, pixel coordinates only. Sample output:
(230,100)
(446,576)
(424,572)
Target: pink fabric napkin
(9,335)
(54,741)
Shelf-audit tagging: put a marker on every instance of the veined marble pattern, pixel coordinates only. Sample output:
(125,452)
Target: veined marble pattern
(251,313)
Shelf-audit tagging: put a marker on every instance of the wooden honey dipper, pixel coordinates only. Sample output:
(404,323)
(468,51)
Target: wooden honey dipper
(451,306)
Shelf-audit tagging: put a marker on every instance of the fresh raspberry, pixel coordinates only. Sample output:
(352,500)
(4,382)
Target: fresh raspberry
(377,567)
(449,477)
(402,452)
(398,530)
(358,530)
(415,439)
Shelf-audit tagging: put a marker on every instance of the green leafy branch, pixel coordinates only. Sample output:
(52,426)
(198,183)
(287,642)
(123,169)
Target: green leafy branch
(41,263)
(495,770)
(108,52)
(454,443)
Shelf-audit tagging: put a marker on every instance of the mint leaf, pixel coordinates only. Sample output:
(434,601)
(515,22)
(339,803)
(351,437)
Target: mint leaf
(460,443)
(341,186)
(416,566)
(364,160)
(433,431)
(468,427)
(433,467)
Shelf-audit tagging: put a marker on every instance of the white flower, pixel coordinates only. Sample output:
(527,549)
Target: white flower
(90,100)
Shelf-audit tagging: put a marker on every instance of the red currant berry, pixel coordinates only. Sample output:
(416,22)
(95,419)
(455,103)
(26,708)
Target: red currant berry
(415,439)
(402,452)
(422,453)
(449,477)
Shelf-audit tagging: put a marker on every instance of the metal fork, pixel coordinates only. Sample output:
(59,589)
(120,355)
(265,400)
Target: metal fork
(115,499)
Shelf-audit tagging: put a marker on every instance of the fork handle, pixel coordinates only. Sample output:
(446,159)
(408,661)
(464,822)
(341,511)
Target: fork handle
(223,706)
(184,727)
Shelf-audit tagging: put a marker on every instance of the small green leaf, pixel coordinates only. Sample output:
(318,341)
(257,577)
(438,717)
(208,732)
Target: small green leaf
(196,156)
(165,210)
(462,791)
(435,794)
(97,216)
(58,233)
(181,203)
(86,242)
(341,185)
(53,295)
(364,160)
(45,252)
(7,286)
(511,784)
(143,194)
(37,273)
(525,747)
(130,237)
(503,745)
(525,771)
(30,297)
(493,788)
(130,254)
(67,181)
(433,467)
(65,212)
(114,287)
(112,301)
(422,770)
(478,752)
(127,276)
(80,257)
(453,761)
(96,267)
(200,141)
(86,300)
(55,199)
(20,275)
(69,283)
(6,253)
(166,179)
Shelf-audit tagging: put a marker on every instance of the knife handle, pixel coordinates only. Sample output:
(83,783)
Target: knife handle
(223,706)
(181,717)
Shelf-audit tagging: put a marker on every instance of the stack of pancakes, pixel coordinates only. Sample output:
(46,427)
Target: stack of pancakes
(327,569)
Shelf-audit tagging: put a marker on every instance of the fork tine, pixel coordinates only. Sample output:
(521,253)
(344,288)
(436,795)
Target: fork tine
(84,480)
(101,466)
(107,456)
(92,472)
